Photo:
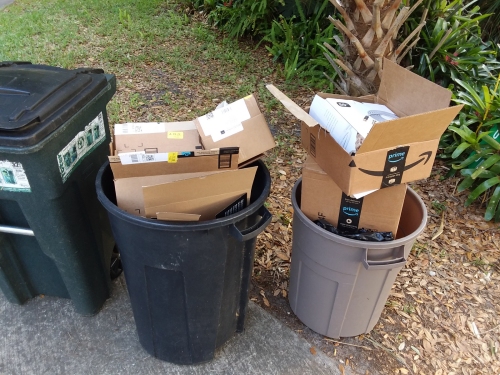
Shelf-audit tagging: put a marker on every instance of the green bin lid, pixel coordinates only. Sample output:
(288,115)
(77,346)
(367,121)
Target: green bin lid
(35,100)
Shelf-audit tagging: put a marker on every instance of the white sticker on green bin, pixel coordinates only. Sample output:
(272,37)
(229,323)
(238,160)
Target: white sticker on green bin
(80,146)
(13,177)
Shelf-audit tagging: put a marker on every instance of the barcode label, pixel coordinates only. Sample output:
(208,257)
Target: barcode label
(141,157)
(139,128)
(224,161)
(312,145)
(224,133)
(224,119)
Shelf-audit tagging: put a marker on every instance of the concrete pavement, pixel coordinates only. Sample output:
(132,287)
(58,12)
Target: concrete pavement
(46,336)
(4,3)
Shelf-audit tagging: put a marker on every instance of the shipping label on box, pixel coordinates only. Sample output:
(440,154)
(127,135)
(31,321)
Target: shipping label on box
(156,137)
(394,151)
(238,124)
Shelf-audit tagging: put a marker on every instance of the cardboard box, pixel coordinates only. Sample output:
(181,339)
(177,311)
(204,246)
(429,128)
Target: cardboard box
(238,124)
(322,199)
(156,137)
(205,195)
(139,164)
(395,151)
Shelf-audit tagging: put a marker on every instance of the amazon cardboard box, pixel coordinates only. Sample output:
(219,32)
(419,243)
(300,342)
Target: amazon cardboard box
(131,175)
(156,137)
(146,154)
(239,124)
(394,151)
(323,199)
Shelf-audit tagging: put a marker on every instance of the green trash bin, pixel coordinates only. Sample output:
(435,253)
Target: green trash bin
(55,237)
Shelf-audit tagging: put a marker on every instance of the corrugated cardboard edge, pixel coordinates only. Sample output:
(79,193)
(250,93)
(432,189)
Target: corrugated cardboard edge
(175,216)
(292,106)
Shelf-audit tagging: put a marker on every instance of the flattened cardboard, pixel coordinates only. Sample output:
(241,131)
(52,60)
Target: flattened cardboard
(322,198)
(424,113)
(174,216)
(207,207)
(189,195)
(156,137)
(253,138)
(129,190)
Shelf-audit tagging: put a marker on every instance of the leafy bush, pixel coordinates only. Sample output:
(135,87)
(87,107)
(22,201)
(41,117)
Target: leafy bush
(453,54)
(451,45)
(299,43)
(491,26)
(242,17)
(295,39)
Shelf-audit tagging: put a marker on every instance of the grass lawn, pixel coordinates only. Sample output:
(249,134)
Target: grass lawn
(169,63)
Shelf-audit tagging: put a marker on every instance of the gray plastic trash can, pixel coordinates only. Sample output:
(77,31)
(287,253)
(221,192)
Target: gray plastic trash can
(339,286)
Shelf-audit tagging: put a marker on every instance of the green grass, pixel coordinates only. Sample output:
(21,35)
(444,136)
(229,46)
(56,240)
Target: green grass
(169,65)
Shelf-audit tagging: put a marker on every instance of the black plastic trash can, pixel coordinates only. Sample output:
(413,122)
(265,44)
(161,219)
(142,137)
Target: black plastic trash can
(55,238)
(188,281)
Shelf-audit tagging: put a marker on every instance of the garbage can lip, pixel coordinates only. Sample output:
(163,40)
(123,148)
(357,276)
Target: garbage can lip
(182,225)
(356,243)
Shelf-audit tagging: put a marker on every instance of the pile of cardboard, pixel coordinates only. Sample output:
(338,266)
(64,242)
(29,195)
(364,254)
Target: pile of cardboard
(192,170)
(358,164)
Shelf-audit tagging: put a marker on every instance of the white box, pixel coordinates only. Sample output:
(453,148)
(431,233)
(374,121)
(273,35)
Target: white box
(348,121)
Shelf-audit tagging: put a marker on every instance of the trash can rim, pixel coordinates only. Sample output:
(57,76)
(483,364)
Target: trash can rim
(182,225)
(356,243)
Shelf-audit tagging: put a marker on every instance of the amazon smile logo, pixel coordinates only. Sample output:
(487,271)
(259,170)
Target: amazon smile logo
(424,157)
(396,157)
(350,211)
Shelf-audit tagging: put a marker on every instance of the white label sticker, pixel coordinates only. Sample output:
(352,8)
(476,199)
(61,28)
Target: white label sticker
(13,177)
(225,120)
(217,136)
(80,146)
(141,157)
(140,128)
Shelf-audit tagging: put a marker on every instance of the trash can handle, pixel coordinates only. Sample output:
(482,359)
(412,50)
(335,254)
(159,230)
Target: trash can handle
(374,265)
(16,230)
(254,230)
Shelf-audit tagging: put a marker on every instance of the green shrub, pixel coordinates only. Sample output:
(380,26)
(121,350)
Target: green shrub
(298,43)
(243,17)
(452,54)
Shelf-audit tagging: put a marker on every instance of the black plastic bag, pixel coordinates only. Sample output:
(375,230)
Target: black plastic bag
(361,234)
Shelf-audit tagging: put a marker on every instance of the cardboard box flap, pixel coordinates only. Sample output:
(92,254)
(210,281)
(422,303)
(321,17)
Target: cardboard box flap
(293,108)
(408,130)
(175,216)
(408,93)
(207,207)
(184,190)
(252,106)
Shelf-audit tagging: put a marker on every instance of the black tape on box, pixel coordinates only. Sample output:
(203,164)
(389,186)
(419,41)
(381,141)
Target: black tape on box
(350,212)
(394,166)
